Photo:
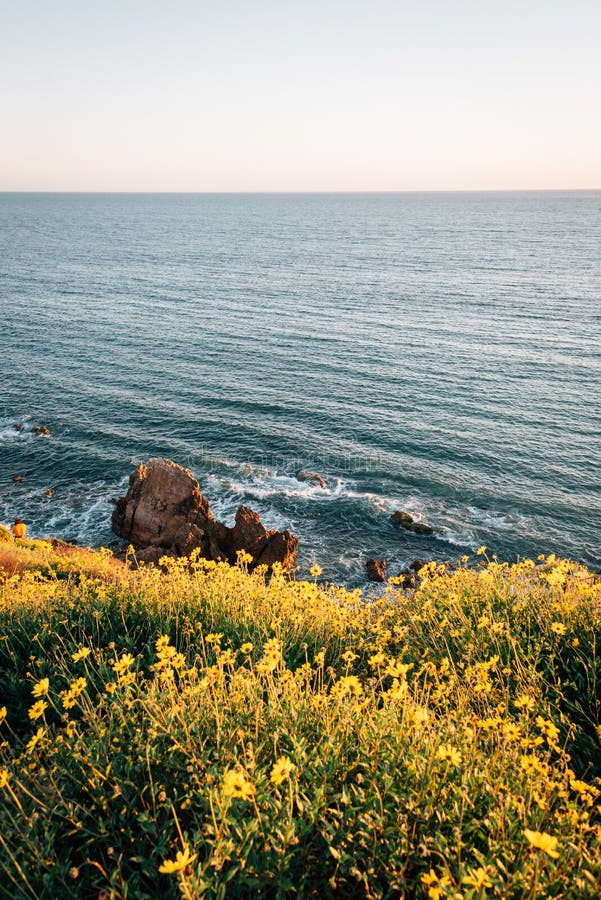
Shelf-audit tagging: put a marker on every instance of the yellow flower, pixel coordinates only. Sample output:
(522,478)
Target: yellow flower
(41,688)
(581,787)
(478,879)
(558,628)
(2,713)
(81,654)
(182,860)
(524,702)
(236,784)
(450,754)
(542,841)
(315,570)
(398,669)
(512,731)
(213,638)
(246,648)
(38,709)
(548,728)
(529,763)
(75,689)
(282,770)
(436,886)
(123,664)
(4,776)
(272,656)
(377,660)
(34,741)
(348,684)
(481,551)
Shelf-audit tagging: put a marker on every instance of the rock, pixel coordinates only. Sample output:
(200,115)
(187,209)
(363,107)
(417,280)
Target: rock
(18,478)
(161,498)
(407,522)
(402,518)
(40,429)
(165,513)
(421,528)
(376,569)
(247,534)
(312,478)
(280,547)
(18,426)
(49,492)
(408,577)
(153,554)
(189,538)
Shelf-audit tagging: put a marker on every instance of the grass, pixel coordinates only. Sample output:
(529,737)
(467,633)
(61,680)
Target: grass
(206,732)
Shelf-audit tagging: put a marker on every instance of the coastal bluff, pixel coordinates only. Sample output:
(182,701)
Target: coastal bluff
(164,513)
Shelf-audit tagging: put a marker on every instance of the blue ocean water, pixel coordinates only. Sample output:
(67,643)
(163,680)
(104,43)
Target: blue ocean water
(437,353)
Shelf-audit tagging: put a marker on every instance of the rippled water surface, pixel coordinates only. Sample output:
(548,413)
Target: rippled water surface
(437,353)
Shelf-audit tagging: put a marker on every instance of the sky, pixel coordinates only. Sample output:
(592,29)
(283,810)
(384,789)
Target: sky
(336,95)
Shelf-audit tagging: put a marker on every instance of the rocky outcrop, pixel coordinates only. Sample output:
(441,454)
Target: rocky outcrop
(164,513)
(376,569)
(312,478)
(265,547)
(408,577)
(407,522)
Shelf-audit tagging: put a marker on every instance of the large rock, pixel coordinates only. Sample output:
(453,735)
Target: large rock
(165,513)
(376,569)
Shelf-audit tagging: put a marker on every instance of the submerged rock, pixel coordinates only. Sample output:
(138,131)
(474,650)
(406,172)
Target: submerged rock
(40,429)
(312,478)
(406,521)
(376,569)
(164,513)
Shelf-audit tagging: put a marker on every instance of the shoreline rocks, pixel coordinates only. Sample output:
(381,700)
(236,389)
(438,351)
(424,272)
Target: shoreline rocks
(164,513)
(312,478)
(406,521)
(376,569)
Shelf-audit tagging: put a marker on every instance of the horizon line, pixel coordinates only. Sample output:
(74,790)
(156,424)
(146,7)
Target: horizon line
(515,190)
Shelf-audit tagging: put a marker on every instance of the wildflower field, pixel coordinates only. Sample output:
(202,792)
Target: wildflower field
(208,732)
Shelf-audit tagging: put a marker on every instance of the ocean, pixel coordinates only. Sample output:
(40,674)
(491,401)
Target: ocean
(435,353)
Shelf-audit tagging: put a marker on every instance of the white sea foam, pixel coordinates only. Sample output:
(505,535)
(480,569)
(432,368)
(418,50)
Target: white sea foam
(10,434)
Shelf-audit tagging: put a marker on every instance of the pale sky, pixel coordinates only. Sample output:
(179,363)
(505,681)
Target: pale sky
(269,95)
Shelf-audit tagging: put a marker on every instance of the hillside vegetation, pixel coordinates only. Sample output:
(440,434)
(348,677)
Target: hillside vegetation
(206,732)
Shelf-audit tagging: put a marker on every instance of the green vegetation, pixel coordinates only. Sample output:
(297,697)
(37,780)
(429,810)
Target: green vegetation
(206,732)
